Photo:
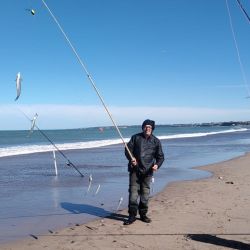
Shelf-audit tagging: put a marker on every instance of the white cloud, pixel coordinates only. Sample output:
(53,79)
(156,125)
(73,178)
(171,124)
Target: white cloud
(75,116)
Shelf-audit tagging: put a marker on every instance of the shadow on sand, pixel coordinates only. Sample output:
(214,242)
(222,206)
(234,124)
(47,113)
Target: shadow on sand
(212,239)
(92,210)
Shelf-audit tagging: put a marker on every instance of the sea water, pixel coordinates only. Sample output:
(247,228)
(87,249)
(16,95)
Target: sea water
(34,201)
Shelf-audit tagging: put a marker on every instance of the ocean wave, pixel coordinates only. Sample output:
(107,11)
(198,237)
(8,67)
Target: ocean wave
(30,149)
(200,134)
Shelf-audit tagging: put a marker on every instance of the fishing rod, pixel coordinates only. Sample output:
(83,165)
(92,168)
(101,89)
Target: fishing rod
(243,10)
(88,76)
(238,52)
(69,163)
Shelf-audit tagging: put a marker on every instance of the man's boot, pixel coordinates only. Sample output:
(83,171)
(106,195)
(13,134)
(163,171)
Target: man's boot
(131,219)
(145,219)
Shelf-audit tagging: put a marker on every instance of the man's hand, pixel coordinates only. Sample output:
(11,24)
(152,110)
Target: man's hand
(155,167)
(134,162)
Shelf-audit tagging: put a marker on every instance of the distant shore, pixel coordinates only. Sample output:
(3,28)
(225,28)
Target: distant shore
(211,213)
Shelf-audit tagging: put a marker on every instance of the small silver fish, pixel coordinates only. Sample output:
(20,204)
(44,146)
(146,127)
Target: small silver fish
(18,85)
(152,181)
(119,204)
(90,182)
(97,190)
(33,124)
(32,11)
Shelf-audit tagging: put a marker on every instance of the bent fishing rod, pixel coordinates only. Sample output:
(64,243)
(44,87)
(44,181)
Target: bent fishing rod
(88,76)
(69,163)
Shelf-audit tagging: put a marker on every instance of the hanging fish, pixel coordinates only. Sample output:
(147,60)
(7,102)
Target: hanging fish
(18,85)
(31,11)
(33,124)
(90,181)
(97,190)
(153,181)
(119,204)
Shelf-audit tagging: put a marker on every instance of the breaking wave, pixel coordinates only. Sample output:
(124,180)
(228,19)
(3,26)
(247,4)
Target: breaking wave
(30,149)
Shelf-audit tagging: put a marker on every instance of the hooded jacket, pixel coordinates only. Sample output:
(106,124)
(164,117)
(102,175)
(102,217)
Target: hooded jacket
(147,151)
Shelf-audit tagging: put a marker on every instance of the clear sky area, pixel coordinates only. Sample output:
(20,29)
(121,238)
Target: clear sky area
(173,61)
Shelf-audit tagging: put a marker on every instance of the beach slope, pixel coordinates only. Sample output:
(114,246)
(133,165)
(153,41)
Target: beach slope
(210,213)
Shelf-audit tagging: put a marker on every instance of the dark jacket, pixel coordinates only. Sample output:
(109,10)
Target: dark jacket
(146,151)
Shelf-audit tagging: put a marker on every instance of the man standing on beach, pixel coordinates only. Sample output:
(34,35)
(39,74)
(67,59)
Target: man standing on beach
(148,157)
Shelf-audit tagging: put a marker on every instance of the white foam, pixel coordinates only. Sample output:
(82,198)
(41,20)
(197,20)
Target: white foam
(201,134)
(30,149)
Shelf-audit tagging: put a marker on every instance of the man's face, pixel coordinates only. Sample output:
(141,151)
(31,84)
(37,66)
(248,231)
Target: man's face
(147,130)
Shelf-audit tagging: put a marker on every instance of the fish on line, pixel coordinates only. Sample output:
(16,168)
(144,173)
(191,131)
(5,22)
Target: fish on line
(18,85)
(31,11)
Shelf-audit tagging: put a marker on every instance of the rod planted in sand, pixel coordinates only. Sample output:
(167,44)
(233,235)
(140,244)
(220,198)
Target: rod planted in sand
(55,163)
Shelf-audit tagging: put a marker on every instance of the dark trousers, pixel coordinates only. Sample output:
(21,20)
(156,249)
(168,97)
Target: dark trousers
(139,185)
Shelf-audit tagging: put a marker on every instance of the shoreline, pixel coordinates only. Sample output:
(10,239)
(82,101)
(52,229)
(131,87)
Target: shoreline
(192,214)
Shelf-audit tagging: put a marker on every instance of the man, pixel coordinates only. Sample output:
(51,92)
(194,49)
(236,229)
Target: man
(147,158)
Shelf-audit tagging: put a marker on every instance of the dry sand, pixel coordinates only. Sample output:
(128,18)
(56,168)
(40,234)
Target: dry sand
(212,213)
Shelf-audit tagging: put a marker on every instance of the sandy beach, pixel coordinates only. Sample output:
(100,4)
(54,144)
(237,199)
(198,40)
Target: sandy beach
(210,213)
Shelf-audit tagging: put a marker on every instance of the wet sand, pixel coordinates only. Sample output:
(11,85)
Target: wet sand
(210,213)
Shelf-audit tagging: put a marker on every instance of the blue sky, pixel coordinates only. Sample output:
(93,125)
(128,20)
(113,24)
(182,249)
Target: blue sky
(173,61)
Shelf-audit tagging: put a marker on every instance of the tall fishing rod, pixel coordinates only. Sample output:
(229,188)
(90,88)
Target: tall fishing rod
(243,10)
(89,77)
(69,163)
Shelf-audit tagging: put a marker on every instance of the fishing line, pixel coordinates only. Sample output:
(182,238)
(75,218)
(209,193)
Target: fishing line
(243,10)
(238,53)
(88,76)
(69,163)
